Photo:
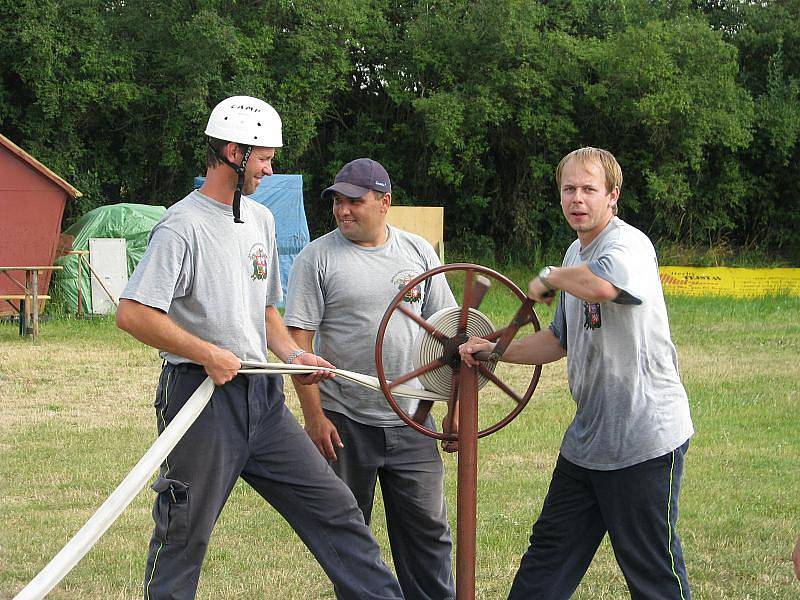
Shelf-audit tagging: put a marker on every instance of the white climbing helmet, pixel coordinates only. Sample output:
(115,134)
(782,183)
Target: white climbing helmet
(245,120)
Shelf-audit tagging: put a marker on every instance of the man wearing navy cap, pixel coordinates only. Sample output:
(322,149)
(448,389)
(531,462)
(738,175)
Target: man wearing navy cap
(339,288)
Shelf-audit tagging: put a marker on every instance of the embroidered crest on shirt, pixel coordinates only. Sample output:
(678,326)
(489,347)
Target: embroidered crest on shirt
(401,279)
(592,319)
(258,261)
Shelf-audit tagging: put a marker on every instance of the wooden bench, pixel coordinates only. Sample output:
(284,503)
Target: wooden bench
(21,297)
(28,315)
(21,310)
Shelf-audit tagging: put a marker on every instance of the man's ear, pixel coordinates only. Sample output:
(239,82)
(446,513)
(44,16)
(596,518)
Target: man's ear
(386,202)
(612,201)
(230,150)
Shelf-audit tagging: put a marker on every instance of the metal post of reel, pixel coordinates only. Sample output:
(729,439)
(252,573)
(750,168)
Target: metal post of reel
(467,496)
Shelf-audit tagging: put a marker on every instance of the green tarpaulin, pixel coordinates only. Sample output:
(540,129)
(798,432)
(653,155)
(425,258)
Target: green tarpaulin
(130,221)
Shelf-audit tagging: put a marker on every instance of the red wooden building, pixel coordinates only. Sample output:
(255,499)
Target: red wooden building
(32,200)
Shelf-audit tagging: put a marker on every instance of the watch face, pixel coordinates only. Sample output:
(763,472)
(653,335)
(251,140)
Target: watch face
(543,277)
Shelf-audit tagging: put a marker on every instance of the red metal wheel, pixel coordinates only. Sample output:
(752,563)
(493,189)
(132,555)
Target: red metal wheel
(477,281)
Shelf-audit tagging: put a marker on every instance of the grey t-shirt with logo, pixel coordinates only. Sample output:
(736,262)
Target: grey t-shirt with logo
(213,277)
(341,290)
(621,363)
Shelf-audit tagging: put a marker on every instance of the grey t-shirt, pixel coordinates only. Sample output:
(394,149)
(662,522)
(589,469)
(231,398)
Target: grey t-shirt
(213,277)
(621,363)
(341,290)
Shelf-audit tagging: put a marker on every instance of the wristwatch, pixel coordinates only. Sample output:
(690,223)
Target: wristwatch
(543,275)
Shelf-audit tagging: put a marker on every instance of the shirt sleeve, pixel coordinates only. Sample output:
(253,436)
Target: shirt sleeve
(305,299)
(274,290)
(624,268)
(164,273)
(438,295)
(558,326)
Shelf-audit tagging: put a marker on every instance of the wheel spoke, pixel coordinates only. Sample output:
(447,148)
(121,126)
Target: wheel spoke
(423,408)
(434,364)
(466,304)
(495,335)
(438,335)
(522,317)
(451,418)
(493,378)
(482,285)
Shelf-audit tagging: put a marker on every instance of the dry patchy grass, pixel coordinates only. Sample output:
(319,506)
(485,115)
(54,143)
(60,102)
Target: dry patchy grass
(75,416)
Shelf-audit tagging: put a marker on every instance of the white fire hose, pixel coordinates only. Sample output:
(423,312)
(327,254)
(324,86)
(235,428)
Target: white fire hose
(365,380)
(101,520)
(426,349)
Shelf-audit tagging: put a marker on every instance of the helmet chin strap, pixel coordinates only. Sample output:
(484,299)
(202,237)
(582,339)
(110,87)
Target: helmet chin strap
(237,195)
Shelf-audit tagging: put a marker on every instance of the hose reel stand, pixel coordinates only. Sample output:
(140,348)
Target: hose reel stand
(437,365)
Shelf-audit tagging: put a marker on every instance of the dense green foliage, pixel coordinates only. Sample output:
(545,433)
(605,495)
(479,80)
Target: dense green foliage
(469,104)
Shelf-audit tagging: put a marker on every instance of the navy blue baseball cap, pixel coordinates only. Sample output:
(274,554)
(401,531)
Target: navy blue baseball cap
(358,177)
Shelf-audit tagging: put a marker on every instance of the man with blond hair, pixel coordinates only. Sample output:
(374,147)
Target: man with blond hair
(621,459)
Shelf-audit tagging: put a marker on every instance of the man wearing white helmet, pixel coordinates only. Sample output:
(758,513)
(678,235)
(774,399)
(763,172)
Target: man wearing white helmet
(204,294)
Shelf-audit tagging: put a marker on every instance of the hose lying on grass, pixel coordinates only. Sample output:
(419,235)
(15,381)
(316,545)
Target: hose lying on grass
(101,520)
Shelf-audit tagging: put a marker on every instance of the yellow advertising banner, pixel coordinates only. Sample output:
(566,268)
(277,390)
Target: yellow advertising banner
(729,281)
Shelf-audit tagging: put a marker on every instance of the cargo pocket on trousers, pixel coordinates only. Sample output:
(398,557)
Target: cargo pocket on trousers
(171,511)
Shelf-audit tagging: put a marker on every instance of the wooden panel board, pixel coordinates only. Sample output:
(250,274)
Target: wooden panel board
(426,221)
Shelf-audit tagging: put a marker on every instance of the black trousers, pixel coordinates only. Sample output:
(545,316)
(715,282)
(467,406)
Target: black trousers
(637,507)
(411,475)
(246,431)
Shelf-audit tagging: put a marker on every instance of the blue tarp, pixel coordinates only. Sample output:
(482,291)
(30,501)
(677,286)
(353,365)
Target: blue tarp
(283,196)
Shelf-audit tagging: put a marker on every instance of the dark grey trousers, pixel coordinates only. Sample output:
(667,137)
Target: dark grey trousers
(247,431)
(637,506)
(412,483)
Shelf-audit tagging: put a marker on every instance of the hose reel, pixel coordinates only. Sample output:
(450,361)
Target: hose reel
(436,362)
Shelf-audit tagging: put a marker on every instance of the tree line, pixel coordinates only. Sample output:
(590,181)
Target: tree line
(469,104)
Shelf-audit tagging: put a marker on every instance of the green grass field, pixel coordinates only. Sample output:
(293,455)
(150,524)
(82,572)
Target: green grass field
(76,415)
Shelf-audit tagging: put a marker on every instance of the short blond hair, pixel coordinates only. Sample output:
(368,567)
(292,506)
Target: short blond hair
(602,157)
